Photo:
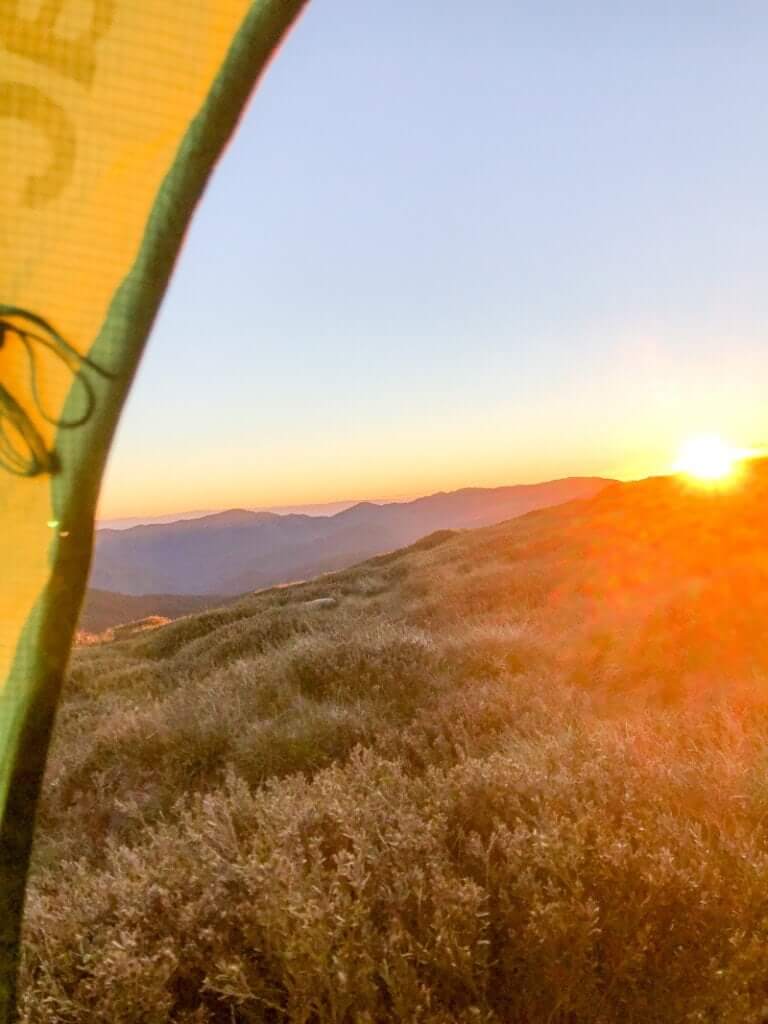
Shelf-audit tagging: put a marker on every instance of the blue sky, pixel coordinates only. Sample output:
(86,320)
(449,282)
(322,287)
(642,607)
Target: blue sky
(467,244)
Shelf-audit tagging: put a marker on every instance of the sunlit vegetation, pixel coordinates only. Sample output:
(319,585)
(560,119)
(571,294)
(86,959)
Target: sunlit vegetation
(510,775)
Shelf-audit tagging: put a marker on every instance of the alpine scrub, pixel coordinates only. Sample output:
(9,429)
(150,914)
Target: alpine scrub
(468,787)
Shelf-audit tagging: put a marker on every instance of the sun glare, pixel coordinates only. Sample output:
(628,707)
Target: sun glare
(708,458)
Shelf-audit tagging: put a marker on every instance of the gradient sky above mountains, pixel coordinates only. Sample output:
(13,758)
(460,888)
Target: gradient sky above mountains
(477,246)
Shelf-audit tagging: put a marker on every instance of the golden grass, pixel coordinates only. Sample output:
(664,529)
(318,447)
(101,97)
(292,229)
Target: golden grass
(516,776)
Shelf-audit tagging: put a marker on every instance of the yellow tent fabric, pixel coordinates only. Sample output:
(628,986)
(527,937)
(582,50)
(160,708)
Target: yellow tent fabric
(112,113)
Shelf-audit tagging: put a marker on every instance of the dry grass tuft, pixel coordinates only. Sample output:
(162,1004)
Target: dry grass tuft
(517,775)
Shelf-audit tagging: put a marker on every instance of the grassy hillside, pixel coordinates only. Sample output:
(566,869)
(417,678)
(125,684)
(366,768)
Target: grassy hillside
(239,551)
(518,774)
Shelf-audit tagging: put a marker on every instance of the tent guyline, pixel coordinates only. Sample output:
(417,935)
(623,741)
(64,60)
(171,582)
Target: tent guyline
(23,450)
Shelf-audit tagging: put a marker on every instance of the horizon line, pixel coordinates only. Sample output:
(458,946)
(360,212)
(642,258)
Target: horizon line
(292,508)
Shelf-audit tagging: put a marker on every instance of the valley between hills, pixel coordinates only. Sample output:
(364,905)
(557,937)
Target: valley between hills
(171,569)
(515,773)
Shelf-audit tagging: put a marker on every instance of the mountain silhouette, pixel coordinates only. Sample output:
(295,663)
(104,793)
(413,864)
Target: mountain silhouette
(236,551)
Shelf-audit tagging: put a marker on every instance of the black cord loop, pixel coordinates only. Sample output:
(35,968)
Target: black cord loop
(22,449)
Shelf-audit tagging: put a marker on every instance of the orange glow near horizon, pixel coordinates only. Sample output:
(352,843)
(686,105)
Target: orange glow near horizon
(709,459)
(140,485)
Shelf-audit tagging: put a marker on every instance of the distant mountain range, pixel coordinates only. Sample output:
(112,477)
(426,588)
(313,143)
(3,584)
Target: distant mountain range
(326,508)
(230,553)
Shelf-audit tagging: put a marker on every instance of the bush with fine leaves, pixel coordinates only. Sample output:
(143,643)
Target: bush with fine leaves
(516,776)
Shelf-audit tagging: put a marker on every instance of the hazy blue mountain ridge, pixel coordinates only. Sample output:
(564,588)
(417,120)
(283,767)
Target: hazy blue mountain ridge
(232,552)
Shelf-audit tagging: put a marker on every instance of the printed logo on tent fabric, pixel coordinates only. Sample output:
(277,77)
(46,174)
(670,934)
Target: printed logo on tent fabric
(42,41)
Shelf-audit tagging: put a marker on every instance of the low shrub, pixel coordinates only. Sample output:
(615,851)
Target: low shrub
(513,777)
(390,663)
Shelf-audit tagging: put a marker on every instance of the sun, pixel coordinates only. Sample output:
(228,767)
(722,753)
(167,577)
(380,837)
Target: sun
(708,458)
